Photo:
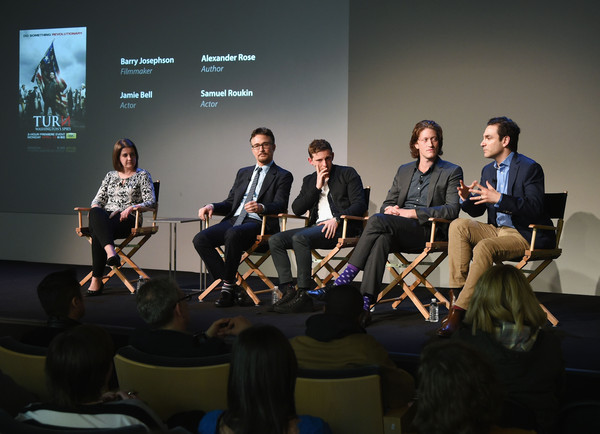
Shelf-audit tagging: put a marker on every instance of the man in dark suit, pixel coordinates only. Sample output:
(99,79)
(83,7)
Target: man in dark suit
(328,193)
(421,189)
(512,192)
(260,189)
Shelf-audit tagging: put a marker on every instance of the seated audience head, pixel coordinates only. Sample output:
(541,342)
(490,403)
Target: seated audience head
(262,381)
(344,301)
(503,294)
(458,391)
(78,365)
(60,295)
(159,303)
(419,127)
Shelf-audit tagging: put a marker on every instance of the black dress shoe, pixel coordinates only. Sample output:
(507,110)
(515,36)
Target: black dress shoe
(242,298)
(226,300)
(288,295)
(300,303)
(365,318)
(113,261)
(451,322)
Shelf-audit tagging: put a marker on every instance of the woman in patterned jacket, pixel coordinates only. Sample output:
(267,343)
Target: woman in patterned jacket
(123,190)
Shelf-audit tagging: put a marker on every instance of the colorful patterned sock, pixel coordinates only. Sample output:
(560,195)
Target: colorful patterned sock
(347,275)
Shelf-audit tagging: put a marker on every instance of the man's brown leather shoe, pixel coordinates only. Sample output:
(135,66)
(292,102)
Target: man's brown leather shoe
(451,323)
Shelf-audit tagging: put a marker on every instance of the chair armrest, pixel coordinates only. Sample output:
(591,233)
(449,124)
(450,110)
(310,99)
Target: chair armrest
(434,221)
(347,218)
(534,233)
(80,210)
(354,217)
(262,226)
(284,218)
(543,227)
(439,220)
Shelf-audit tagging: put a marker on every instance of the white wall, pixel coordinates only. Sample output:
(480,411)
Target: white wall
(458,63)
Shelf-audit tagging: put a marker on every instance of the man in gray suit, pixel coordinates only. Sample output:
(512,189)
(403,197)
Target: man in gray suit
(421,189)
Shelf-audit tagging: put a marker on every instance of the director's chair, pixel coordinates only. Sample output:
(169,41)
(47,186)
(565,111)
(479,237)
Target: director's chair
(260,248)
(344,242)
(554,206)
(431,247)
(126,249)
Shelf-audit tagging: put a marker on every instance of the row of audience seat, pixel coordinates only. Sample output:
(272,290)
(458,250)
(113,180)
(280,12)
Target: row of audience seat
(349,400)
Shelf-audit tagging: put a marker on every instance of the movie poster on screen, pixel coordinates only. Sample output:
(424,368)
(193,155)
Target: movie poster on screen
(52,88)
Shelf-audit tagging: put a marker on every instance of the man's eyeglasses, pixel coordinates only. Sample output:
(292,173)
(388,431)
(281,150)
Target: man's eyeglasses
(261,145)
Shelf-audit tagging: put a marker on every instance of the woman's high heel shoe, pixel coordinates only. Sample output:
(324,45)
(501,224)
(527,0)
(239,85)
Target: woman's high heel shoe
(113,261)
(90,293)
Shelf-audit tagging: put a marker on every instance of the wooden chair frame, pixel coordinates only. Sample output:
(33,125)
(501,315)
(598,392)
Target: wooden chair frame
(554,205)
(431,246)
(344,242)
(262,241)
(125,249)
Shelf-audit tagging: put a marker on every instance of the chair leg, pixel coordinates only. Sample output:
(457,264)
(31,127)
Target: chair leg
(532,275)
(324,262)
(420,279)
(209,289)
(553,320)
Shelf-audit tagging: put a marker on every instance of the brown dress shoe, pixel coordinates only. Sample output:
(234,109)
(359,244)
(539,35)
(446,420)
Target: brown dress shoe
(451,323)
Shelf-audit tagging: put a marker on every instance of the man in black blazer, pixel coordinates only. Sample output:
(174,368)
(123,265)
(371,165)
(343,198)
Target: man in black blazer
(421,189)
(511,190)
(263,188)
(328,193)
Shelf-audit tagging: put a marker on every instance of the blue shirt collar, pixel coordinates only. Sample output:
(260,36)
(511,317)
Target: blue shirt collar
(506,161)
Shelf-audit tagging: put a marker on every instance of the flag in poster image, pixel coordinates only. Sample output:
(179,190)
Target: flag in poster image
(46,76)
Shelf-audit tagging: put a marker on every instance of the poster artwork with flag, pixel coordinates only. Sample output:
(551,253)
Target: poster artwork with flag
(47,65)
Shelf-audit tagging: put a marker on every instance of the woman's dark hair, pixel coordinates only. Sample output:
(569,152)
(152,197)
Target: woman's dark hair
(262,380)
(78,364)
(458,390)
(116,157)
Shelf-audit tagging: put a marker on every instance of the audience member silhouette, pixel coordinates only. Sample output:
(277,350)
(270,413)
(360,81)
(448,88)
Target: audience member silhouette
(163,306)
(458,392)
(335,340)
(504,322)
(78,367)
(60,296)
(260,392)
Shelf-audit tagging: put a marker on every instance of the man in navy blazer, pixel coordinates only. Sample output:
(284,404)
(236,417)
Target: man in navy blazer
(421,189)
(328,193)
(263,188)
(511,190)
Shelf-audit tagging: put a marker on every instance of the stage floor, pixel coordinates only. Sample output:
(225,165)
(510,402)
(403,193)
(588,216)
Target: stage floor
(403,332)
